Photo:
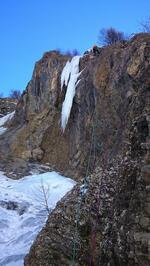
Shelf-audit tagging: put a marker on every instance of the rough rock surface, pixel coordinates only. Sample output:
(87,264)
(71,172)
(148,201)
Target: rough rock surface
(110,223)
(7,105)
(113,219)
(108,130)
(109,83)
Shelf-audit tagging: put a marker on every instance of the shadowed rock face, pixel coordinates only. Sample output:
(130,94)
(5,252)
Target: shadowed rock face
(114,226)
(109,84)
(111,111)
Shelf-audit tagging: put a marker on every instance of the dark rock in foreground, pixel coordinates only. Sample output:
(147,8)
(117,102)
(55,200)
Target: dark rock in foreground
(113,226)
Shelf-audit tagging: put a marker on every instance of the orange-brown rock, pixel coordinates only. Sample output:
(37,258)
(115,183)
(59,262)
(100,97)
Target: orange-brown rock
(110,82)
(109,128)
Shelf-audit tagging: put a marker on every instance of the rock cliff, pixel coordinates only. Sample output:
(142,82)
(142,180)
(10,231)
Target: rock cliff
(107,135)
(112,228)
(108,84)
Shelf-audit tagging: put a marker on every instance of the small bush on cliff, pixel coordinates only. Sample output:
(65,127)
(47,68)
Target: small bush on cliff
(15,94)
(146,26)
(110,36)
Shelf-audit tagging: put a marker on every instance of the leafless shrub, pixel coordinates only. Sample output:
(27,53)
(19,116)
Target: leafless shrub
(110,36)
(42,194)
(15,94)
(146,25)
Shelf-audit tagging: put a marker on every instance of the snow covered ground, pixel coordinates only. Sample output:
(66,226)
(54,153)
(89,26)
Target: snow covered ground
(3,120)
(23,211)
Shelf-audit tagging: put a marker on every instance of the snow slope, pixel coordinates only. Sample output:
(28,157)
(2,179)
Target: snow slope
(5,119)
(23,212)
(69,77)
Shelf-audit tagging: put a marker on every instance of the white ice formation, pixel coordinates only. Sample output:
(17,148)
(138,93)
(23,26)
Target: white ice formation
(69,78)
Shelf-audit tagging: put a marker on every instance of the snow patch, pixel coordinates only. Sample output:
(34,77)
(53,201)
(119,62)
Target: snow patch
(69,77)
(5,119)
(22,214)
(2,130)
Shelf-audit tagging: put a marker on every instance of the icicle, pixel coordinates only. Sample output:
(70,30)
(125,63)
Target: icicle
(69,77)
(65,74)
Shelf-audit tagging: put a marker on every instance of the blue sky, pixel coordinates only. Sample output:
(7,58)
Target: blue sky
(30,27)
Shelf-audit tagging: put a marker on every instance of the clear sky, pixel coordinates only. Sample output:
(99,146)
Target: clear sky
(30,27)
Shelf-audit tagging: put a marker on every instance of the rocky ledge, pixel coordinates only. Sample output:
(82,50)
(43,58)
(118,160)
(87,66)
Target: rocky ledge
(7,105)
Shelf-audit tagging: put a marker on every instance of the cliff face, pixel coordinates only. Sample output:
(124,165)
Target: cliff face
(108,130)
(109,83)
(109,123)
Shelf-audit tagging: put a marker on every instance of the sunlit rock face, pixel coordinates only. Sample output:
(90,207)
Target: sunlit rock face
(112,100)
(109,82)
(107,130)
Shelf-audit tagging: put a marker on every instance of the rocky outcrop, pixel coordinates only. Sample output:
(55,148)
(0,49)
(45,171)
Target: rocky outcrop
(108,223)
(108,130)
(7,105)
(109,83)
